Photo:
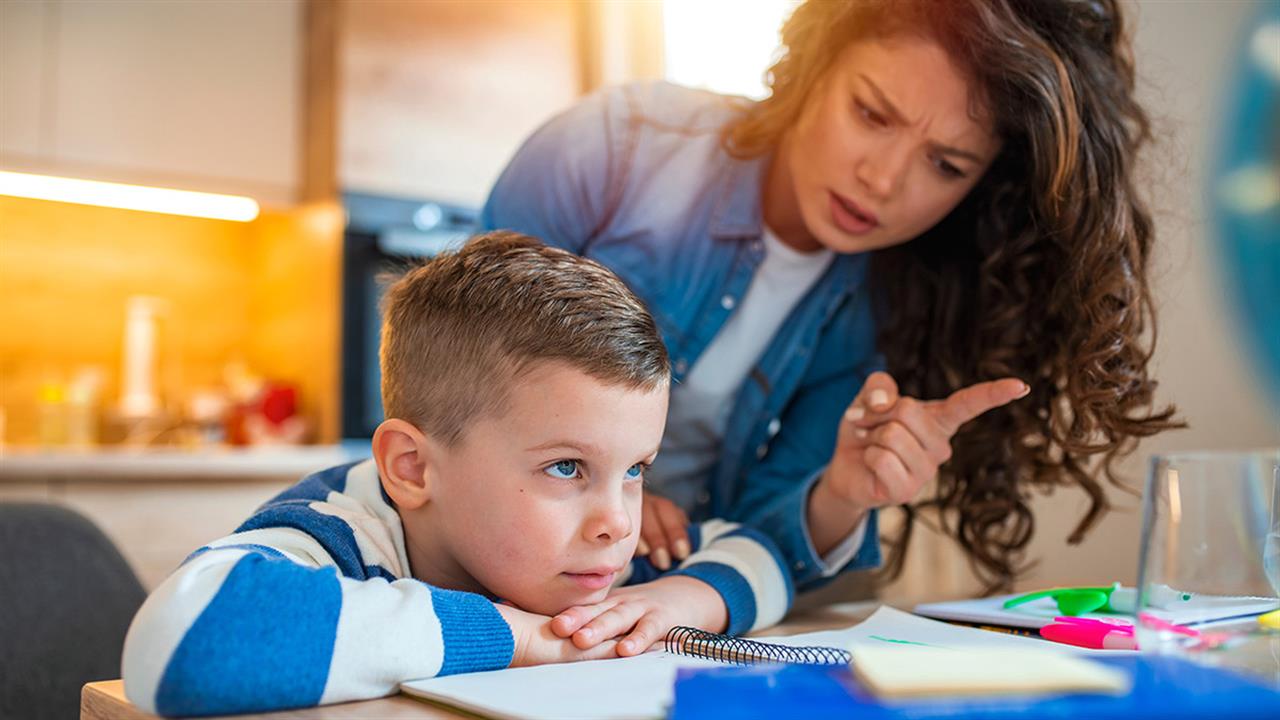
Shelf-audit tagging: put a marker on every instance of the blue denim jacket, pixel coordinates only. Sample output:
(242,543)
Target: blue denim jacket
(636,179)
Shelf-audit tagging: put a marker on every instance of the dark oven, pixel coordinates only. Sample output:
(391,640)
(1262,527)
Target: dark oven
(383,237)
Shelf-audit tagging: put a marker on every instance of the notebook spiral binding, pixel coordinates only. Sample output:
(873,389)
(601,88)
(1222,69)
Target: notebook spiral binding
(738,651)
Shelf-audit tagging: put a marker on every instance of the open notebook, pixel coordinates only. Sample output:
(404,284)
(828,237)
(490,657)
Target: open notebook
(641,687)
(1038,613)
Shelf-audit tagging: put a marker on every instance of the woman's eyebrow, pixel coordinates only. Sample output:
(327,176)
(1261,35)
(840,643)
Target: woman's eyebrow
(890,108)
(946,150)
(893,112)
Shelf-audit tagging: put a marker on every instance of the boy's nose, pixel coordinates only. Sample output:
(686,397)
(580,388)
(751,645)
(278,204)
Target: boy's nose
(609,523)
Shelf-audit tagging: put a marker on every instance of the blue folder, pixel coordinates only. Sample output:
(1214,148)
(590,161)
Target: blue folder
(1163,688)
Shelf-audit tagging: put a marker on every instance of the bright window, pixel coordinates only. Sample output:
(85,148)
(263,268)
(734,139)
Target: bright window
(722,45)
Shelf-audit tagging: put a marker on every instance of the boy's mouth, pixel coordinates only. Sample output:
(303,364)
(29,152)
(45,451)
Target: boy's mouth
(594,579)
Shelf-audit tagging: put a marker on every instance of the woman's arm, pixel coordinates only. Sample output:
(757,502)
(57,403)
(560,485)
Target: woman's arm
(780,495)
(561,182)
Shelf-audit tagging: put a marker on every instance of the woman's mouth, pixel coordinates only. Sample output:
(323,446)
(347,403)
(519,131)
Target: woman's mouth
(851,217)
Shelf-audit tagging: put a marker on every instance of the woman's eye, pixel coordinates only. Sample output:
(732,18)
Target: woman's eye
(947,168)
(562,469)
(871,116)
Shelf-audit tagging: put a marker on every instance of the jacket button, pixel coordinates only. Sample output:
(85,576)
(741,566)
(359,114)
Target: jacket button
(762,450)
(774,426)
(727,302)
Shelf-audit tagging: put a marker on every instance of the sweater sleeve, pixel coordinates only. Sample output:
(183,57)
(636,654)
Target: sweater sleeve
(741,564)
(263,620)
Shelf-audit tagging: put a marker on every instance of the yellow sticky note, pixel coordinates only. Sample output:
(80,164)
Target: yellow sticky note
(899,672)
(1271,620)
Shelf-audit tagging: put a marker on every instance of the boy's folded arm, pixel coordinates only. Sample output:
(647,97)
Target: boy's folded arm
(250,627)
(743,566)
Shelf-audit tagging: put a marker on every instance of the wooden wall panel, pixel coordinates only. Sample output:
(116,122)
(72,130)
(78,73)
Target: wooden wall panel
(265,292)
(436,96)
(66,272)
(295,313)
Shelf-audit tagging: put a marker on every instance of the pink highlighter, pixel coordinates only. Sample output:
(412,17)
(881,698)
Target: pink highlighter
(1096,633)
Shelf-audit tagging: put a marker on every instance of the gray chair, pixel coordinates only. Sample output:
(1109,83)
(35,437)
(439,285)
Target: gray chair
(66,599)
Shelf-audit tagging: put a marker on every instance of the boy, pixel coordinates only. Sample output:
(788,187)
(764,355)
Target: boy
(526,391)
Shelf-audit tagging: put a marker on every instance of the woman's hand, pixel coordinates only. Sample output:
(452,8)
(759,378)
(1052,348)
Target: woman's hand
(663,531)
(888,447)
(643,613)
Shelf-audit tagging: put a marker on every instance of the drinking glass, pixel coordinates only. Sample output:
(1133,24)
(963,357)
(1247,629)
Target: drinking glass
(1209,559)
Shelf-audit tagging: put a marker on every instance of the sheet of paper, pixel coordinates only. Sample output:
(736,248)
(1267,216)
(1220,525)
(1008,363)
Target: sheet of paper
(1038,613)
(620,689)
(641,687)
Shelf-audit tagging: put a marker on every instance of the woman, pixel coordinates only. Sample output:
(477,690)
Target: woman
(935,202)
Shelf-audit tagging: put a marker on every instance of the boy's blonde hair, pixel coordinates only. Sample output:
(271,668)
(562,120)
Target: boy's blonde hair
(459,329)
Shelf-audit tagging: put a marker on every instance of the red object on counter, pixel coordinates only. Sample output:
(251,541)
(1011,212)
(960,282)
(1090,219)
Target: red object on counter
(279,403)
(264,416)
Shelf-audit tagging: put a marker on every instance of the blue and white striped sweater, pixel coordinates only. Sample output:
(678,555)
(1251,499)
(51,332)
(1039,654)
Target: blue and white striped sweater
(310,601)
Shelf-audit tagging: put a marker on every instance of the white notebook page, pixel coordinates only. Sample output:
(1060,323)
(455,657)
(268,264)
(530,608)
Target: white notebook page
(640,688)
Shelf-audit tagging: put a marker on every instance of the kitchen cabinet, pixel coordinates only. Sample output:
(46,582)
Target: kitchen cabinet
(158,506)
(435,97)
(157,524)
(192,95)
(21,70)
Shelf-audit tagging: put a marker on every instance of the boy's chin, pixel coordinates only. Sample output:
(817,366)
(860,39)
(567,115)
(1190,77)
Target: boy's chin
(552,604)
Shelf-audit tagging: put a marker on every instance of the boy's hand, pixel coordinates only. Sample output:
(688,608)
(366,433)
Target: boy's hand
(536,644)
(644,613)
(662,531)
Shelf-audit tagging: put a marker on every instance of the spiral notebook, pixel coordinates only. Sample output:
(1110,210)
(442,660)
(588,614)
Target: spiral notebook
(641,687)
(692,642)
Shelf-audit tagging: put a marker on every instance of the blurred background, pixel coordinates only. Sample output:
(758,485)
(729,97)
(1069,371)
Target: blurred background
(165,370)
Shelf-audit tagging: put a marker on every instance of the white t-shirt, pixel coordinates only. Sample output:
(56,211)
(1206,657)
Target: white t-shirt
(700,405)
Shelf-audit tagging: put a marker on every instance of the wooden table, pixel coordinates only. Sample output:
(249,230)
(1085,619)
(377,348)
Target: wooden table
(105,700)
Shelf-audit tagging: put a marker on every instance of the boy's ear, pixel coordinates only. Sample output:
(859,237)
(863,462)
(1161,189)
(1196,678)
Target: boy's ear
(403,454)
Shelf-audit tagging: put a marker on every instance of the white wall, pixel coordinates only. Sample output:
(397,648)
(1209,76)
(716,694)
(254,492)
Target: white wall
(1184,52)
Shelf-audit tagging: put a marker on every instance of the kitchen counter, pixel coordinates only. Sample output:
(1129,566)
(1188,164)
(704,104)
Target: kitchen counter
(157,505)
(164,464)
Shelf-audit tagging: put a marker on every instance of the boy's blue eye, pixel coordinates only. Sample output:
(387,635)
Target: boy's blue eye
(563,469)
(636,470)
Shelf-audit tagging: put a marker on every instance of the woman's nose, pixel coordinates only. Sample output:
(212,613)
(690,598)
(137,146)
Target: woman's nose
(881,173)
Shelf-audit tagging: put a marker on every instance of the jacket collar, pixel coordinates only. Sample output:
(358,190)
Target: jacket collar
(737,212)
(737,215)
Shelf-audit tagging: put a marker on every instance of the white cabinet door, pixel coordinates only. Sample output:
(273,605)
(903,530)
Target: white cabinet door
(195,95)
(23,29)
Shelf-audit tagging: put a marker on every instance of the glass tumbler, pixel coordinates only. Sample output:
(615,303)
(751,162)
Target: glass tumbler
(1209,559)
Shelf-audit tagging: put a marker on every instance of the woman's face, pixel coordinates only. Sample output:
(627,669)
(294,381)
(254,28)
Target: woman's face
(885,146)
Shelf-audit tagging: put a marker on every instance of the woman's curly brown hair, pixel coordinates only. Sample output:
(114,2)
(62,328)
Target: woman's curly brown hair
(1041,273)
